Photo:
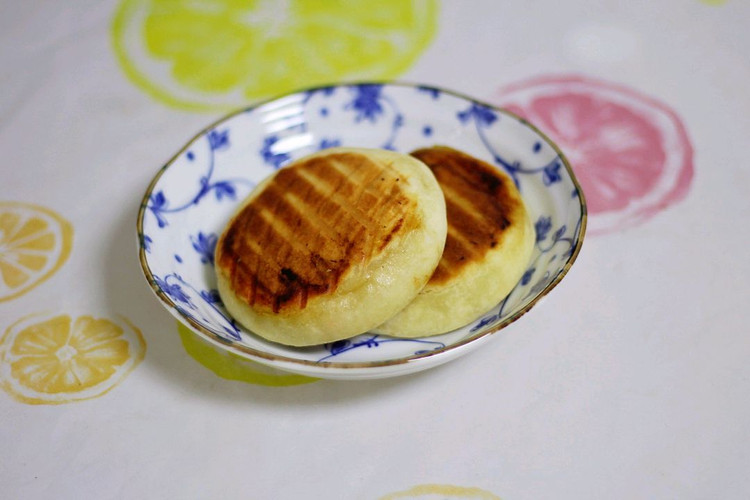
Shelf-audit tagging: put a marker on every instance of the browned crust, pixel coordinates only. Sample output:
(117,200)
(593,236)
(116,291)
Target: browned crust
(481,205)
(312,223)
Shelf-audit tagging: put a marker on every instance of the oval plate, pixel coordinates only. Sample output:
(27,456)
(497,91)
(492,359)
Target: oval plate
(192,197)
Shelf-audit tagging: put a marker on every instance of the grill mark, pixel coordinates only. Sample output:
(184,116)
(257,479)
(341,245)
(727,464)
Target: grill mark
(309,226)
(457,249)
(338,207)
(481,194)
(365,184)
(386,207)
(321,210)
(321,207)
(341,203)
(391,232)
(341,177)
(466,218)
(277,256)
(293,250)
(479,207)
(250,267)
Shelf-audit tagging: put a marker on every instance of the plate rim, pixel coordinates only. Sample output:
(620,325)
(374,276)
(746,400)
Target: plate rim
(333,366)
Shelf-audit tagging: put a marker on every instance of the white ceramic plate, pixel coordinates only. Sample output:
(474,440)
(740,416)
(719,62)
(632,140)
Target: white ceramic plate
(193,195)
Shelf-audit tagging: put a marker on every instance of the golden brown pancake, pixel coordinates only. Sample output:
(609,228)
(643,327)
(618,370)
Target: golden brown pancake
(489,243)
(331,245)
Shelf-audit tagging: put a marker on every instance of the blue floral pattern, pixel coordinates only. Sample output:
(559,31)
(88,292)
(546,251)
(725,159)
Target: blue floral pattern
(271,155)
(483,118)
(431,91)
(367,102)
(225,189)
(542,226)
(202,306)
(218,140)
(205,245)
(479,114)
(372,341)
(174,290)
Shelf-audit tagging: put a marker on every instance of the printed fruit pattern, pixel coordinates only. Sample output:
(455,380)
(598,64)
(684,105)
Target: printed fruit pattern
(443,492)
(630,153)
(233,367)
(209,55)
(34,243)
(52,359)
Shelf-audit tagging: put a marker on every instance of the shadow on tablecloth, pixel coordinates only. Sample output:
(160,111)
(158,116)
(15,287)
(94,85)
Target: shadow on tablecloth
(169,366)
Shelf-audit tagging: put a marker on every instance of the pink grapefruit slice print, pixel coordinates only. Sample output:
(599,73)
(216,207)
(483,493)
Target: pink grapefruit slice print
(630,152)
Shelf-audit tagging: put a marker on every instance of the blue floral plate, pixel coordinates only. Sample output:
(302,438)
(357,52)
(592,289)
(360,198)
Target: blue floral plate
(193,195)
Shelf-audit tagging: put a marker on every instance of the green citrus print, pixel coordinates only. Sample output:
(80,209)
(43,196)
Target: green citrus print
(442,492)
(232,367)
(204,55)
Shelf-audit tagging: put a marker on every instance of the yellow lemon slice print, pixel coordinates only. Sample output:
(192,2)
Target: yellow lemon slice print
(34,243)
(442,492)
(208,55)
(53,359)
(233,367)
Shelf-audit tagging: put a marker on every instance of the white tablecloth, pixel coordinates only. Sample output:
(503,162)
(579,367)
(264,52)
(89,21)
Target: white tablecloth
(630,380)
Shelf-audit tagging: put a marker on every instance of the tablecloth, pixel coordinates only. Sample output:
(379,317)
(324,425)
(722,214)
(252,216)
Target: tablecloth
(630,380)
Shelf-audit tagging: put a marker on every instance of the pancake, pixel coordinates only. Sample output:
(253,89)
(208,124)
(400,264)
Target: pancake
(489,243)
(326,247)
